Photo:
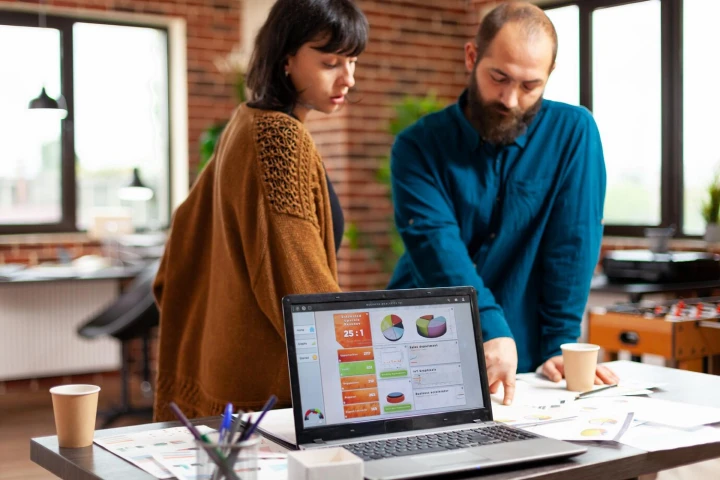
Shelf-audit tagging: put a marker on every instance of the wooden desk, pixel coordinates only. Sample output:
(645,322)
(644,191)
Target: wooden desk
(606,460)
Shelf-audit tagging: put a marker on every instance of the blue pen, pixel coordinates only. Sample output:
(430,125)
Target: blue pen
(226,422)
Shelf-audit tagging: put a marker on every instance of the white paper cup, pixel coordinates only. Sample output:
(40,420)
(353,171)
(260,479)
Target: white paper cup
(580,360)
(75,409)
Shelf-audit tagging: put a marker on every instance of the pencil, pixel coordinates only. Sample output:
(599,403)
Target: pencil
(590,392)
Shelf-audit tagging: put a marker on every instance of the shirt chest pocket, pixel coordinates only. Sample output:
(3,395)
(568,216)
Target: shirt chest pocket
(525,203)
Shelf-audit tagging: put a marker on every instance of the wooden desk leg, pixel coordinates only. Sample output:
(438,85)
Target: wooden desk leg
(693,365)
(607,356)
(714,364)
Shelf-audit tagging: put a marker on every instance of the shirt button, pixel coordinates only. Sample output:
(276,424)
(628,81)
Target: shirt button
(411,221)
(497,199)
(492,236)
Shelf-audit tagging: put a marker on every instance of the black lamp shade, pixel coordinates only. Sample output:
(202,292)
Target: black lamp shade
(137,190)
(136,182)
(46,102)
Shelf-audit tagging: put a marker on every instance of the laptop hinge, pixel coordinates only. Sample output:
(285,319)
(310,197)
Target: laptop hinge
(319,441)
(477,420)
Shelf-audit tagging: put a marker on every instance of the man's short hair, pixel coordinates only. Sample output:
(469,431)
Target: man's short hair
(531,18)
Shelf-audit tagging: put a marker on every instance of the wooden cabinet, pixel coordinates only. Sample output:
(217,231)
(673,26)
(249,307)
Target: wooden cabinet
(688,343)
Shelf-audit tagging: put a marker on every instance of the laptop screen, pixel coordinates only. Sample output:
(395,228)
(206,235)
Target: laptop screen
(367,361)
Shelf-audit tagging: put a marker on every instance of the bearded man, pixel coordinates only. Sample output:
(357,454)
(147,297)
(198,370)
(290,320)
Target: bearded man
(504,191)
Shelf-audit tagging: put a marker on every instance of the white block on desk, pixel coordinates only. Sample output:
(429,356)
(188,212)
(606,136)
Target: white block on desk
(324,463)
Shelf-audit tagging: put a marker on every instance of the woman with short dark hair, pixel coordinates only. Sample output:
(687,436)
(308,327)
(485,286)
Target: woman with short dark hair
(262,221)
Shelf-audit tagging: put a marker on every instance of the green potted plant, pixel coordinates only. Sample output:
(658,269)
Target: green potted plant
(711,211)
(408,111)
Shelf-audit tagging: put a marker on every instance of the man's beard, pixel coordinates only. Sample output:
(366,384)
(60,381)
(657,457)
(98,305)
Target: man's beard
(495,127)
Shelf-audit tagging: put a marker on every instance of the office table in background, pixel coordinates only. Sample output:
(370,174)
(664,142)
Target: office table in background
(603,460)
(635,290)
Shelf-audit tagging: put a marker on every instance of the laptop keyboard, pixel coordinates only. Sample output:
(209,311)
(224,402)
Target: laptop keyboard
(437,442)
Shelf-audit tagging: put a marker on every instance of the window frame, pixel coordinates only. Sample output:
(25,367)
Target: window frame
(671,50)
(69,203)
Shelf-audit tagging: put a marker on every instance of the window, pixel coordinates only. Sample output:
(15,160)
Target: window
(643,70)
(57,175)
(626,102)
(564,83)
(701,155)
(30,145)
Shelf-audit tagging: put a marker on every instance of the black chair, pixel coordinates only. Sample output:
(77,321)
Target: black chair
(132,316)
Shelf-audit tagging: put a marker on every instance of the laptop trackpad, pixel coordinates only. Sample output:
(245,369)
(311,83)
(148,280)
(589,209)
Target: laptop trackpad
(450,458)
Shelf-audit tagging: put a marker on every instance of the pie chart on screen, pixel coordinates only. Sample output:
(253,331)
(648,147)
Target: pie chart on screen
(392,328)
(395,397)
(430,326)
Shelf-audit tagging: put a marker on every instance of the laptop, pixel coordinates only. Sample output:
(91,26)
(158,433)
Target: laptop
(398,378)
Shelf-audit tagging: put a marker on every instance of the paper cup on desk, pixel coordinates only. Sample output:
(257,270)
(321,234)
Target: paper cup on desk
(580,360)
(324,463)
(75,409)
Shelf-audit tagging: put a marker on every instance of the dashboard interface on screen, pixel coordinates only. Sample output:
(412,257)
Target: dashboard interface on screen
(365,361)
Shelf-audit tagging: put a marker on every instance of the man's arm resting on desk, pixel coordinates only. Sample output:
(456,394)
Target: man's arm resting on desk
(427,224)
(570,248)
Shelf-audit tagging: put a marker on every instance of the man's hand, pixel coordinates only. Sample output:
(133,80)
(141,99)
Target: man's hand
(554,369)
(501,362)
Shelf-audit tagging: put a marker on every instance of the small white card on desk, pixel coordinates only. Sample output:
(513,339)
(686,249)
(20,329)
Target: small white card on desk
(324,463)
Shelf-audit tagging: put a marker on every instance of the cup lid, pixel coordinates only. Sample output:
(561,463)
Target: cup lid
(74,389)
(580,347)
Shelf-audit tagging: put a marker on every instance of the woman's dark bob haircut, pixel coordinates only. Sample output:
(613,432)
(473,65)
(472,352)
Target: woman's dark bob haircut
(290,25)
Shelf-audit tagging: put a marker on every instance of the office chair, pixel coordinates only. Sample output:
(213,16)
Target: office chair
(132,316)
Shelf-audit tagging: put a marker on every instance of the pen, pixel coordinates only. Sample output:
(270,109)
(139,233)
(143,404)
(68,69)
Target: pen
(590,392)
(252,427)
(227,419)
(231,436)
(236,426)
(215,455)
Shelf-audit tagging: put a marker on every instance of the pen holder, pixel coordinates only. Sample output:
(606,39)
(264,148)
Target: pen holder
(245,455)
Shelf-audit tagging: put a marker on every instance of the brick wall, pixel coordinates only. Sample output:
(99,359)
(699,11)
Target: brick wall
(213,28)
(33,253)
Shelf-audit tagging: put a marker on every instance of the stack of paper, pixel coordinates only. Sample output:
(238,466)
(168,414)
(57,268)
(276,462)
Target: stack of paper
(171,453)
(617,414)
(139,448)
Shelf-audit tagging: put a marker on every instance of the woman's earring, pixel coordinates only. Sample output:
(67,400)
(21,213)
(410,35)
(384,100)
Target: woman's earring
(287,73)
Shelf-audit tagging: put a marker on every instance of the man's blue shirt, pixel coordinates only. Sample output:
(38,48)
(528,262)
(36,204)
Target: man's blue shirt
(520,223)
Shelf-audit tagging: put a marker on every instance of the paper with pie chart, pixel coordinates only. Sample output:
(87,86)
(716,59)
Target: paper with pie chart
(598,425)
(522,416)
